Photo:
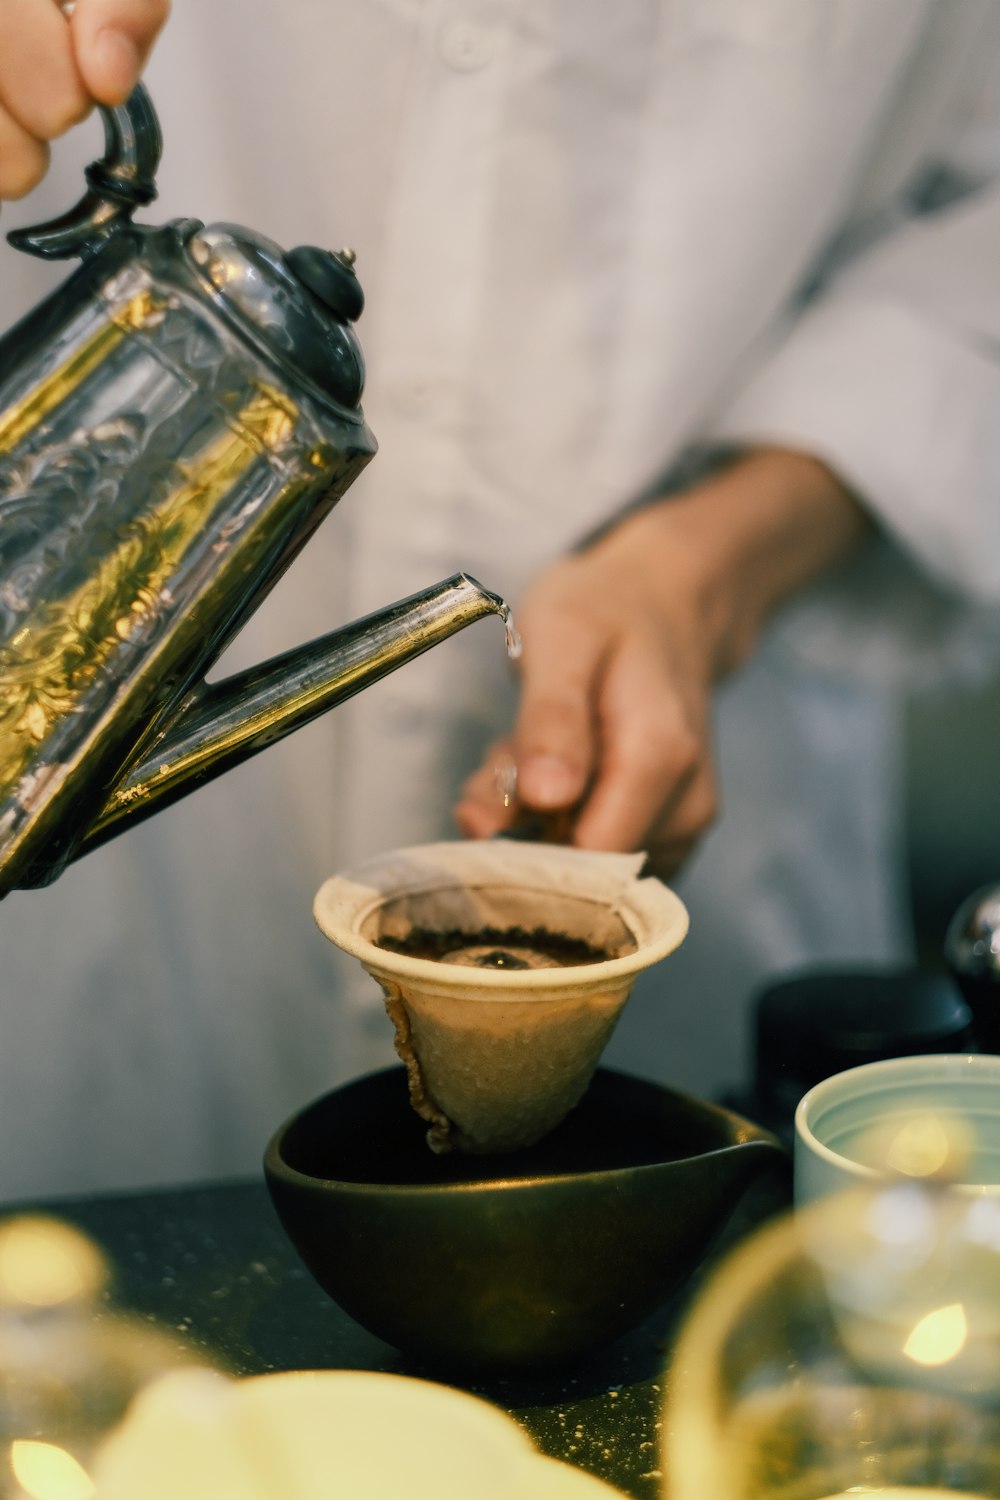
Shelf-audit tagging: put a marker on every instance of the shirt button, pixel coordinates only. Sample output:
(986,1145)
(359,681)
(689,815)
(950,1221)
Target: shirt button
(465,47)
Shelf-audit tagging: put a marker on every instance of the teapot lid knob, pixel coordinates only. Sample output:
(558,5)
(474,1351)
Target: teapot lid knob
(330,276)
(298,304)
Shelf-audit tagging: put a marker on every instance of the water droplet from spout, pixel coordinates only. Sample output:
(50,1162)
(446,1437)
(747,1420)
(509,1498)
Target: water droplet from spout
(512,636)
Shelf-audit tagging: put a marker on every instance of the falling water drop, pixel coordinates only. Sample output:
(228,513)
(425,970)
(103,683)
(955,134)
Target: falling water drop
(512,636)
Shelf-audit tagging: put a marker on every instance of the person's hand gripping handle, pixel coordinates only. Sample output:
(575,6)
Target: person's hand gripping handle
(56,63)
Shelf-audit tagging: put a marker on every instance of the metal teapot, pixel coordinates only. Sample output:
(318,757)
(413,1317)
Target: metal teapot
(175,421)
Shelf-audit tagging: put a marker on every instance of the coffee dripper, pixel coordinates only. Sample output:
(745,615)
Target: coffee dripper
(176,419)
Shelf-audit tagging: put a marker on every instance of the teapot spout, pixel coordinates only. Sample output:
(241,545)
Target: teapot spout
(220,725)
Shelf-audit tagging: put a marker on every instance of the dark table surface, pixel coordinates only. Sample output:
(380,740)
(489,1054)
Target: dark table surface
(212,1265)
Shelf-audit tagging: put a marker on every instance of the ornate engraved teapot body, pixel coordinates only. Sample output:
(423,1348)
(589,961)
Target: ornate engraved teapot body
(175,421)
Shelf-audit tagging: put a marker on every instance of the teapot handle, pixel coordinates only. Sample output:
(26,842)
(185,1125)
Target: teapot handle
(118,184)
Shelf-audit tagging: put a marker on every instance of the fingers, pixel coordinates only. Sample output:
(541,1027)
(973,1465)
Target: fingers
(612,743)
(666,860)
(673,834)
(488,800)
(53,69)
(653,786)
(656,786)
(41,92)
(112,40)
(555,736)
(23,159)
(490,803)
(553,746)
(40,84)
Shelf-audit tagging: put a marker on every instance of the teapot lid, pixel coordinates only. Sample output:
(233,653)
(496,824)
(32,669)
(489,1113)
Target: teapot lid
(299,304)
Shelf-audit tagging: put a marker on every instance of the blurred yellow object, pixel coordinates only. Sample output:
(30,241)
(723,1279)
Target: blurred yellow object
(309,1435)
(929,1145)
(938,1336)
(70,1364)
(47,1472)
(45,1262)
(850,1348)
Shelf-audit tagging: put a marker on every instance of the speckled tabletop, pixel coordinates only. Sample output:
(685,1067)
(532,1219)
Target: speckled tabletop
(213,1265)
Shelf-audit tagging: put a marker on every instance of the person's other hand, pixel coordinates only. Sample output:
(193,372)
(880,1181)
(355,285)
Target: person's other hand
(612,736)
(54,67)
(623,643)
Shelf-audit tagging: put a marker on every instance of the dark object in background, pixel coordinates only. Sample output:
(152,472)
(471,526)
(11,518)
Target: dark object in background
(972,951)
(815,1024)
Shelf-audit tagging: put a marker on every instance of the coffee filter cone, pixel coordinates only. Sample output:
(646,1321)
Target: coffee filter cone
(497,1056)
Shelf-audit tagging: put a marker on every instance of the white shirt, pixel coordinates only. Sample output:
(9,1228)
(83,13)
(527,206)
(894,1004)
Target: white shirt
(585,233)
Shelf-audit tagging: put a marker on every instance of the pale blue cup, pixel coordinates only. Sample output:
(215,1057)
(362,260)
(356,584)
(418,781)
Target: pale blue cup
(894,1118)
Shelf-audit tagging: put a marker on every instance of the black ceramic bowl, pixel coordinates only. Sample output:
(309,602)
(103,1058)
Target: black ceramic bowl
(517,1261)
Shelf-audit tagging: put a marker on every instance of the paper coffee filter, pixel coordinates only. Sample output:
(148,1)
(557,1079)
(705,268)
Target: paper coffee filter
(503,882)
(497,1057)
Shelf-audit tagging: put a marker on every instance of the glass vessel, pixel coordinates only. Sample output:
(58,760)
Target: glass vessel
(851,1348)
